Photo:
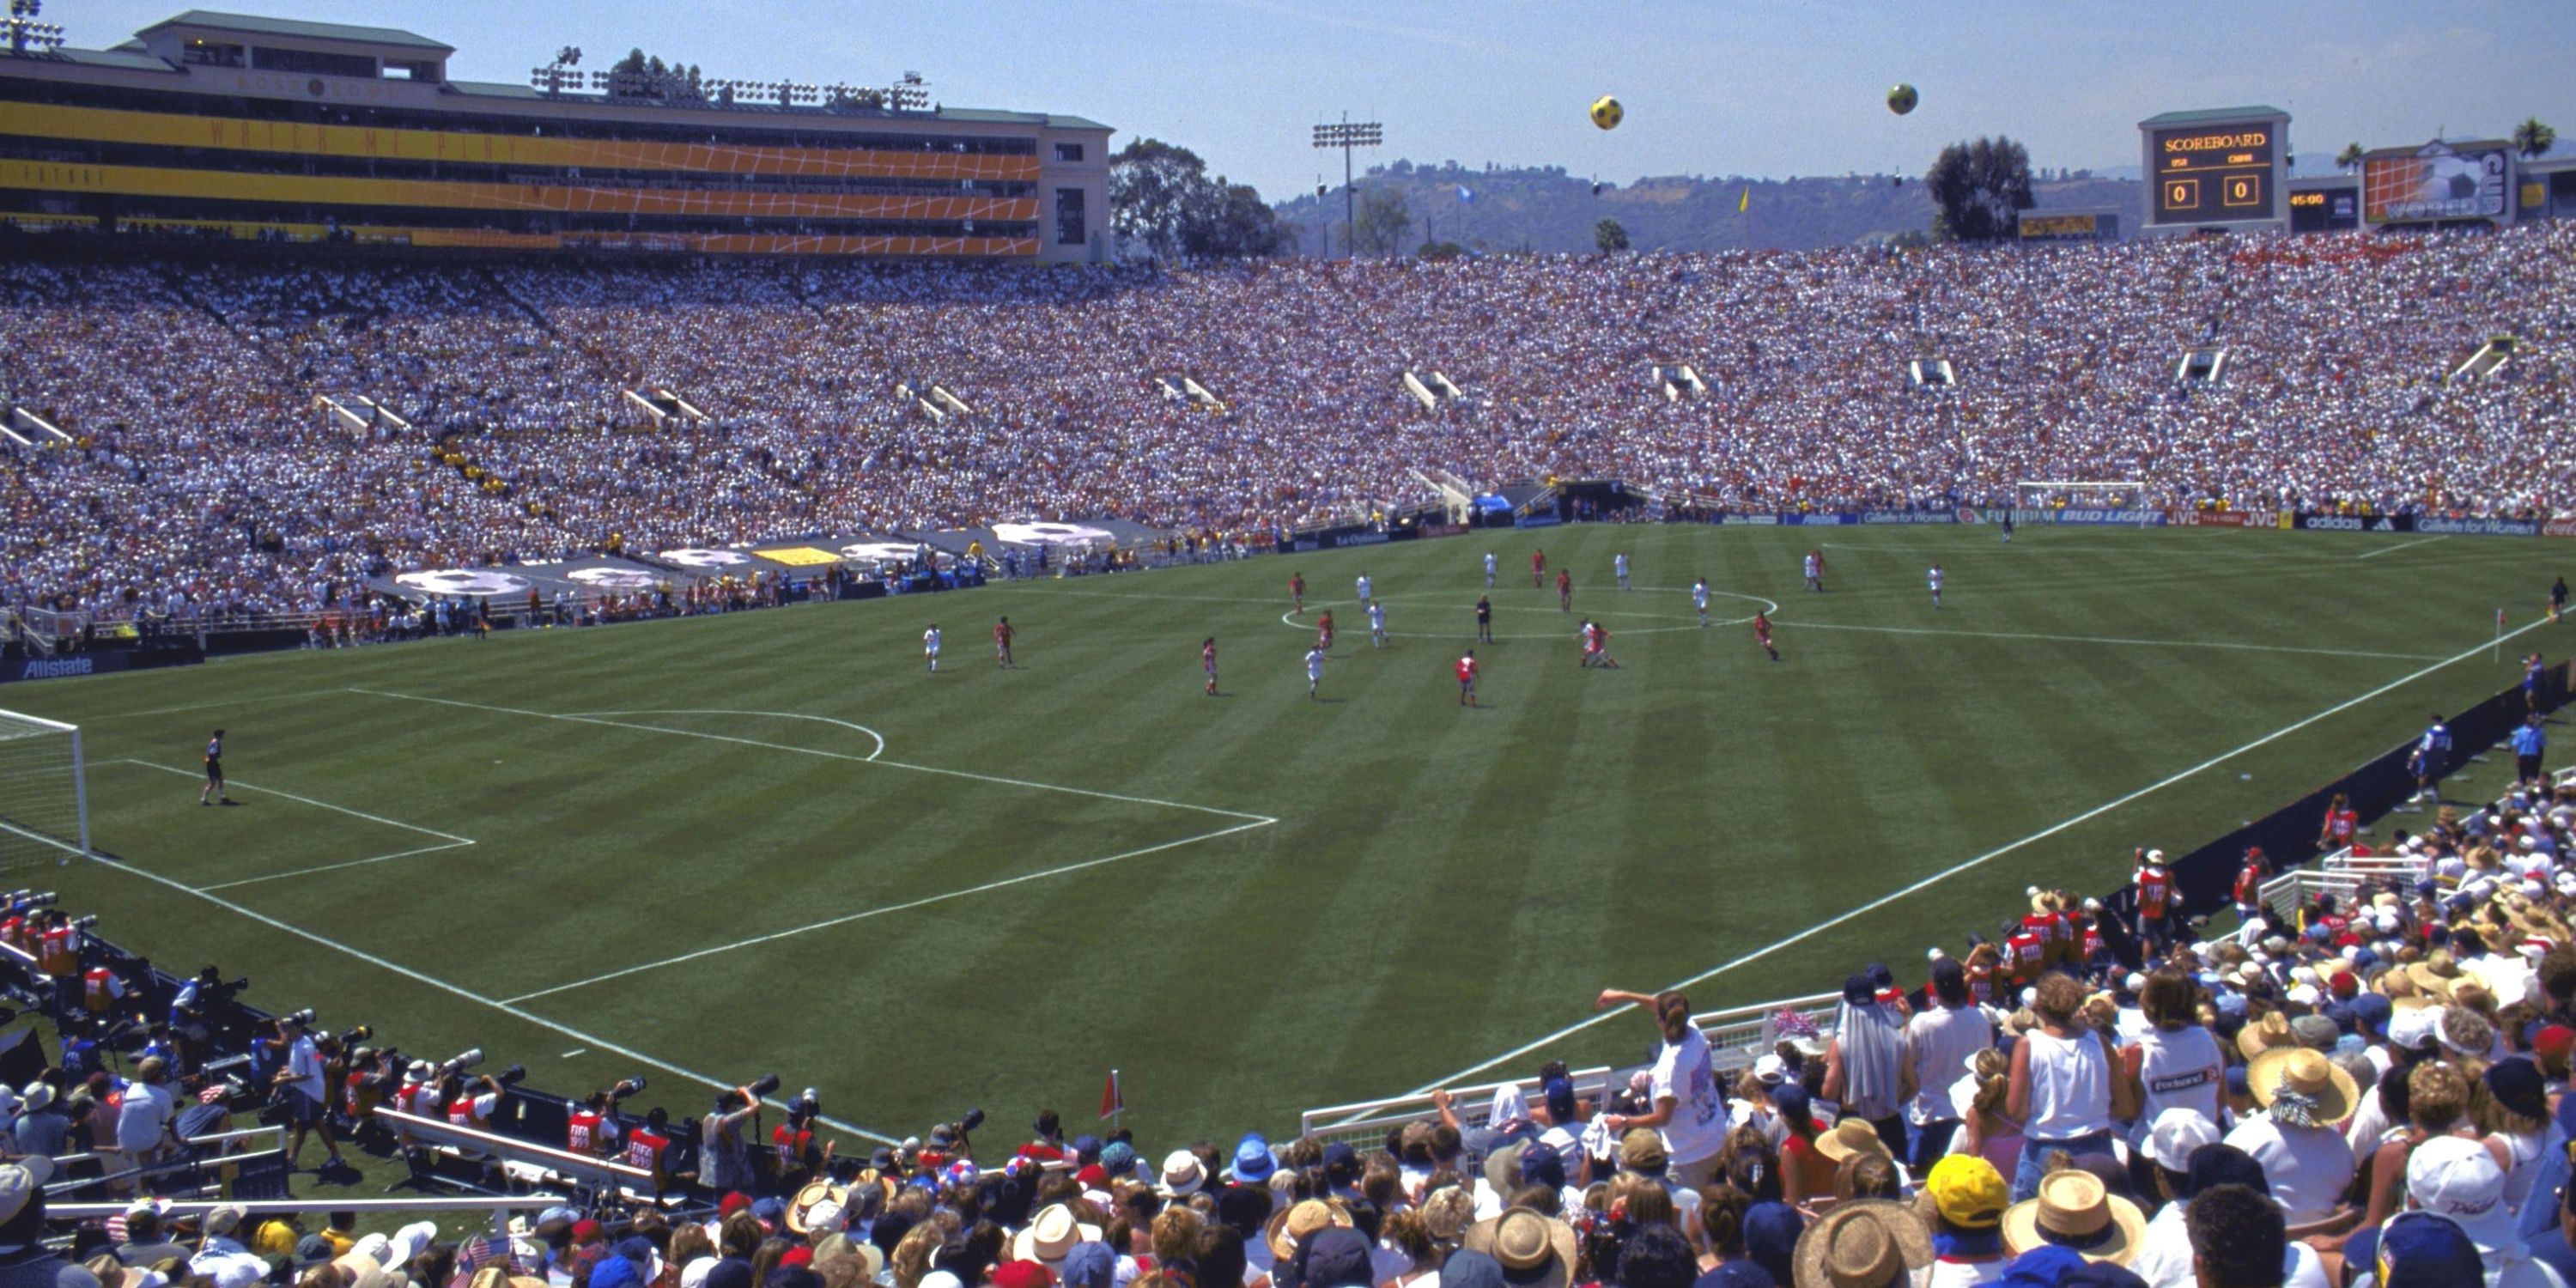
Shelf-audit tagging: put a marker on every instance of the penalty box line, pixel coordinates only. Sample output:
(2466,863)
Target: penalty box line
(447,840)
(889,909)
(454,990)
(871,758)
(1987,857)
(1246,822)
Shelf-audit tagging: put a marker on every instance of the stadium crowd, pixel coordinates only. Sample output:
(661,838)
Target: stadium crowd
(2373,1091)
(205,476)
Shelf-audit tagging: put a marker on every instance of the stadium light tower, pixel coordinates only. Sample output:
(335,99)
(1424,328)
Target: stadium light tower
(1347,134)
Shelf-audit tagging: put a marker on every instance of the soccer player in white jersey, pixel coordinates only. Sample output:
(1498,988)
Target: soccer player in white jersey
(1619,568)
(1377,624)
(1699,600)
(1933,579)
(1815,569)
(1364,588)
(1489,569)
(1314,669)
(930,647)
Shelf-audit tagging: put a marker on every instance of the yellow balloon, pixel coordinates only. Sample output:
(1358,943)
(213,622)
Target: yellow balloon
(1607,113)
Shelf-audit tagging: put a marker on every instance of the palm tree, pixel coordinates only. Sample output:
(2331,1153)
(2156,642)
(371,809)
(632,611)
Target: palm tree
(2534,138)
(2350,157)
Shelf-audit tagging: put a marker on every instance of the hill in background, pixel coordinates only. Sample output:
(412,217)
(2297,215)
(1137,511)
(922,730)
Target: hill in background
(1549,210)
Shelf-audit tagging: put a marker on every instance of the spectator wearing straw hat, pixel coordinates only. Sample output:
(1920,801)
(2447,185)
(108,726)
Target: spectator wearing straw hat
(1534,1249)
(2074,1211)
(1867,1243)
(2302,1096)
(24,1261)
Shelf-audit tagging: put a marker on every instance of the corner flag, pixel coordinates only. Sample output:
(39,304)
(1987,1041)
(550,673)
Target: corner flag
(1111,1101)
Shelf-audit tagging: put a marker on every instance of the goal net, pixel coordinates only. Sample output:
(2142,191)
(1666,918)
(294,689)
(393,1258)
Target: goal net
(44,799)
(2042,495)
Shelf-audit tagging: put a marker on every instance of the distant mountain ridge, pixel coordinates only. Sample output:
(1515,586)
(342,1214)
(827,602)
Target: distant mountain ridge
(1550,211)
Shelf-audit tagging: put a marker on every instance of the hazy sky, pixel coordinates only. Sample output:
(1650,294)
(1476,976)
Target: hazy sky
(1770,88)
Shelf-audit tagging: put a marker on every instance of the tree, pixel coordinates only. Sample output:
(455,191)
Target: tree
(1150,188)
(2350,158)
(1440,250)
(1610,236)
(1161,196)
(2534,138)
(1231,221)
(1380,225)
(1979,189)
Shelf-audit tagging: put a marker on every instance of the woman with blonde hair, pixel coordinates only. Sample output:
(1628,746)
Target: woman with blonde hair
(1984,1131)
(911,1259)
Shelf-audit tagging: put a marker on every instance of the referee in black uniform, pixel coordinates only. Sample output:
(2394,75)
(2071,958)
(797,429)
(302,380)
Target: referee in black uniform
(214,787)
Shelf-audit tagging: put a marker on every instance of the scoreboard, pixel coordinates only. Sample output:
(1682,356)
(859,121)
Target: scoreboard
(2208,169)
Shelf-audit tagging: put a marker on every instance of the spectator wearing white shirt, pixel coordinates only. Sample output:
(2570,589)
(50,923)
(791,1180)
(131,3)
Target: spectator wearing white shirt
(300,1092)
(144,1113)
(1687,1108)
(2303,1096)
(1939,1042)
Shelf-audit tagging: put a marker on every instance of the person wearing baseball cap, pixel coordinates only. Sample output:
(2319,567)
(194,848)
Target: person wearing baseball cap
(1968,1198)
(2455,1177)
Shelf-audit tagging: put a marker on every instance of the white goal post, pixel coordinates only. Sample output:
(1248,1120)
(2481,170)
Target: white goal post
(2042,495)
(44,793)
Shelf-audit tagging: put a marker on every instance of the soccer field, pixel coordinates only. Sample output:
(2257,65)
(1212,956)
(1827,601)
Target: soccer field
(768,841)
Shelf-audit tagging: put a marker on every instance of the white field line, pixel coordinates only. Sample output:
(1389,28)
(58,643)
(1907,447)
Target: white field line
(1982,859)
(334,867)
(469,995)
(337,809)
(864,915)
(2390,550)
(2105,639)
(870,759)
(782,715)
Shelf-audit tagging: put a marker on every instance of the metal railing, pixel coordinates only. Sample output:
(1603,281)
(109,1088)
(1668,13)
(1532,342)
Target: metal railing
(499,1206)
(2342,874)
(1736,1037)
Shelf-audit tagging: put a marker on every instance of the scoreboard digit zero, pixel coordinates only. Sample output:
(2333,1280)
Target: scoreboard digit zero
(2214,176)
(2216,168)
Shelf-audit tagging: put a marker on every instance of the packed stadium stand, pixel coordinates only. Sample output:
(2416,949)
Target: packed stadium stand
(202,468)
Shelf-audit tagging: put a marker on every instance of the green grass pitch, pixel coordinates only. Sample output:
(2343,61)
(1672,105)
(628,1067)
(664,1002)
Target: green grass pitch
(769,841)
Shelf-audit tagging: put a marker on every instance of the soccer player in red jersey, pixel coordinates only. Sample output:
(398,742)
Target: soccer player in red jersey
(1538,569)
(1324,631)
(2342,823)
(1601,646)
(1762,634)
(1564,591)
(1297,591)
(1467,679)
(1002,637)
(1207,662)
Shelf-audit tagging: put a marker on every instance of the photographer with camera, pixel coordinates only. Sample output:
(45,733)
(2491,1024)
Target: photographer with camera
(793,1153)
(192,1012)
(590,1125)
(724,1160)
(299,1090)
